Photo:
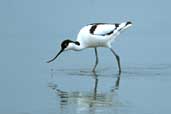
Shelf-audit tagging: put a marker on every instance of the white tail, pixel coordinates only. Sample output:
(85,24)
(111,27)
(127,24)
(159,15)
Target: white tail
(124,25)
(120,28)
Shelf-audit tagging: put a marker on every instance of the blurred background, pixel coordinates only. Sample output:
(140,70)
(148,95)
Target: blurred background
(31,32)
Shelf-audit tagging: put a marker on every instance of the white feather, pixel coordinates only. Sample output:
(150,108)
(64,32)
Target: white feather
(104,29)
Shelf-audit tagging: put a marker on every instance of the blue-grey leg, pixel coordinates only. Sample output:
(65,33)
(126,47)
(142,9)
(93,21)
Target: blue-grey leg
(118,60)
(97,60)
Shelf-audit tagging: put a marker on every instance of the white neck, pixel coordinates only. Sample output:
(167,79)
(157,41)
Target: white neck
(75,47)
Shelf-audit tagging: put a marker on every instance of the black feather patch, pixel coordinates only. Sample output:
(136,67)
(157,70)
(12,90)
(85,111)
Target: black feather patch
(92,29)
(116,25)
(129,22)
(77,43)
(94,26)
(109,33)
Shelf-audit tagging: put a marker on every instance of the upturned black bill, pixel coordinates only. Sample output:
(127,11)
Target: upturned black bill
(55,56)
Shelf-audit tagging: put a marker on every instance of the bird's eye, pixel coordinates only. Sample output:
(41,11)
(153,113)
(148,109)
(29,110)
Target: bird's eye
(66,44)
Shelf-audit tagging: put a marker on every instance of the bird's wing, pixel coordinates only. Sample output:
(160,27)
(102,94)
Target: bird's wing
(103,29)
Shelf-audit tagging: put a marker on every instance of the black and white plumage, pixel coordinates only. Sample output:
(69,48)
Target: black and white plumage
(93,36)
(103,29)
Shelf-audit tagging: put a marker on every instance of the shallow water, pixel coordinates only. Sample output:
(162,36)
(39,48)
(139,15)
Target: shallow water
(31,32)
(31,86)
(43,89)
(138,89)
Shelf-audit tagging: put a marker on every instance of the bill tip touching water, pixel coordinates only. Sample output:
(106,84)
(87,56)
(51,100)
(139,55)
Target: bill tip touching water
(93,36)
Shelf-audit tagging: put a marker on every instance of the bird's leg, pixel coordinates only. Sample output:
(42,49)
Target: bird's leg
(118,60)
(97,60)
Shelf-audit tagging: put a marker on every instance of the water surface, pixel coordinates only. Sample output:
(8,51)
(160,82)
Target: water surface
(31,32)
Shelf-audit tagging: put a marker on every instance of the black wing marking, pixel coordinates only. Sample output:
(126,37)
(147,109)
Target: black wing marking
(95,30)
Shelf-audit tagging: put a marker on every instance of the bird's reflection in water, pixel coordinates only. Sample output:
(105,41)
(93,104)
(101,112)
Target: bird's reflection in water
(89,102)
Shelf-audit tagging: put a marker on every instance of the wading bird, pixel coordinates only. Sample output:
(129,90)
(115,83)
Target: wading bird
(93,36)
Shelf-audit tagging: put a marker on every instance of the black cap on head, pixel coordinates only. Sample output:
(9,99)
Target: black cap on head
(65,43)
